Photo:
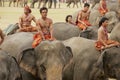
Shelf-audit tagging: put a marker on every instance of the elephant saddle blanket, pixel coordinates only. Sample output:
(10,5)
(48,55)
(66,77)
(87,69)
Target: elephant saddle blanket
(83,26)
(28,29)
(99,45)
(38,38)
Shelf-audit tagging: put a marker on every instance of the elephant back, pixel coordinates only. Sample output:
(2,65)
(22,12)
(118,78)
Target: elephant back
(63,31)
(14,44)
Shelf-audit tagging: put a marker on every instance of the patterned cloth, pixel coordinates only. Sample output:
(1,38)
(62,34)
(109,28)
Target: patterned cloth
(82,26)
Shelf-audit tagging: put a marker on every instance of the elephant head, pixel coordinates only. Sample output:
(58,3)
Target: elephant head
(109,62)
(51,59)
(90,33)
(113,20)
(9,69)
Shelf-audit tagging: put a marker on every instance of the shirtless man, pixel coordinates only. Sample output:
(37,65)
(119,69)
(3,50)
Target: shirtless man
(83,17)
(103,7)
(44,25)
(25,21)
(103,41)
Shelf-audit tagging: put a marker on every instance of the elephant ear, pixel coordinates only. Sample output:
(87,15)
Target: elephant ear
(21,54)
(101,60)
(27,61)
(66,55)
(14,69)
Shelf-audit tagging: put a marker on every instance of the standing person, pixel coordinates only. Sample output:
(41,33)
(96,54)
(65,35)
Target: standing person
(83,17)
(44,25)
(25,21)
(103,7)
(103,40)
(69,20)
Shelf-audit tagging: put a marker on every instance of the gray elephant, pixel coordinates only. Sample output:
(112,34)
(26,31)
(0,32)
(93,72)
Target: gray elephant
(84,57)
(109,62)
(50,3)
(90,33)
(63,31)
(46,61)
(95,18)
(21,2)
(75,2)
(115,33)
(9,68)
(94,2)
(34,1)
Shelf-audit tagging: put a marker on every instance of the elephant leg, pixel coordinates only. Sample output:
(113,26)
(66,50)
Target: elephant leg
(40,1)
(50,4)
(55,2)
(44,3)
(97,74)
(69,3)
(10,3)
(0,3)
(3,3)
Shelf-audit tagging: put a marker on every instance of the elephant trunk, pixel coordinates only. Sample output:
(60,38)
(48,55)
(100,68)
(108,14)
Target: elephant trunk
(54,72)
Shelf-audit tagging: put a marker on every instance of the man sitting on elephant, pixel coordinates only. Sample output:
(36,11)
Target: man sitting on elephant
(44,25)
(103,7)
(83,17)
(103,41)
(25,21)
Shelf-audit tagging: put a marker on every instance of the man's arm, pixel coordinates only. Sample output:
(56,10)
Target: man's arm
(34,19)
(79,17)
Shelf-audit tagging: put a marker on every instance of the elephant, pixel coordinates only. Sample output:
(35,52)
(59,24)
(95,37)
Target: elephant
(21,2)
(115,33)
(41,61)
(9,68)
(50,3)
(111,15)
(60,29)
(44,3)
(63,31)
(84,57)
(109,62)
(94,2)
(85,61)
(75,2)
(34,1)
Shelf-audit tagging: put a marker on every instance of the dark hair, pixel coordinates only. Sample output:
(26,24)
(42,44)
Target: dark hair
(43,8)
(66,19)
(86,5)
(102,21)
